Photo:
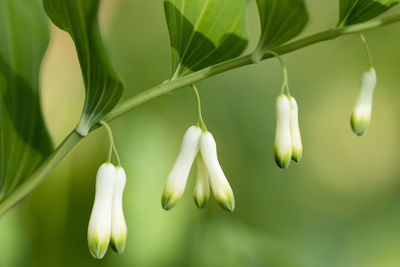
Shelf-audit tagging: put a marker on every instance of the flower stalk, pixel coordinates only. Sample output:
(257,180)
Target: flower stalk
(201,123)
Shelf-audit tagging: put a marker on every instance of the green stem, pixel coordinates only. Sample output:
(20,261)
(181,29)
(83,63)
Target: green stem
(41,172)
(112,143)
(110,139)
(365,44)
(199,116)
(285,83)
(59,153)
(192,78)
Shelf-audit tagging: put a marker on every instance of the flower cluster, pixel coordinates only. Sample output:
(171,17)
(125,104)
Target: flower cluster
(200,146)
(288,144)
(107,222)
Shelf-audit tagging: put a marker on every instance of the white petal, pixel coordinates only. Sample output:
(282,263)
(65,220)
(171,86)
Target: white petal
(118,224)
(219,184)
(202,185)
(283,138)
(297,147)
(99,229)
(361,116)
(178,176)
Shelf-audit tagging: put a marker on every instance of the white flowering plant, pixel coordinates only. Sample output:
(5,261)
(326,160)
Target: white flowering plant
(206,38)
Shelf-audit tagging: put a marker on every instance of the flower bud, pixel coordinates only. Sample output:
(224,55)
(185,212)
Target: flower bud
(118,224)
(283,138)
(177,178)
(219,184)
(297,147)
(202,186)
(99,229)
(361,116)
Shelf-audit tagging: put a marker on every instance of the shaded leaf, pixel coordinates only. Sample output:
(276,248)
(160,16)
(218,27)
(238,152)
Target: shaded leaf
(103,85)
(356,11)
(204,33)
(281,21)
(24,140)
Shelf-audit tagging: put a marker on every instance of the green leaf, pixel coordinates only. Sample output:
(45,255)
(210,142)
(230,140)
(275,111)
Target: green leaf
(356,11)
(24,140)
(204,32)
(281,21)
(103,85)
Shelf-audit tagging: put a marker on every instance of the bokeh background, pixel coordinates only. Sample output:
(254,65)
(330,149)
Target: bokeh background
(339,207)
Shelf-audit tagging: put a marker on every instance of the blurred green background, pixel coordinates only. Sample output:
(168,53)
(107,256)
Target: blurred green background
(339,207)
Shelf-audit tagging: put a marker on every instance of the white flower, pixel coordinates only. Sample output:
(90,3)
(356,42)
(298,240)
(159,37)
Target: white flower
(361,116)
(99,229)
(219,184)
(177,178)
(202,186)
(118,224)
(283,139)
(297,147)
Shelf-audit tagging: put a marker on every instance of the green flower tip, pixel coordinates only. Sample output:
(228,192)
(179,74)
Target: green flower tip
(283,161)
(359,125)
(168,202)
(201,202)
(98,248)
(297,155)
(227,203)
(118,244)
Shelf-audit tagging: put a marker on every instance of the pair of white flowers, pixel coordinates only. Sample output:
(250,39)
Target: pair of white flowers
(200,146)
(107,222)
(288,144)
(361,116)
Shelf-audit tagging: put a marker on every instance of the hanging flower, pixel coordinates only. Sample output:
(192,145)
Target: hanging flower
(202,185)
(219,184)
(118,224)
(99,229)
(283,138)
(177,178)
(297,147)
(361,116)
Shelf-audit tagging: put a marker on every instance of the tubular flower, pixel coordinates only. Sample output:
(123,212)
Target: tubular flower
(177,178)
(202,187)
(283,139)
(118,224)
(219,184)
(99,229)
(297,147)
(361,116)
